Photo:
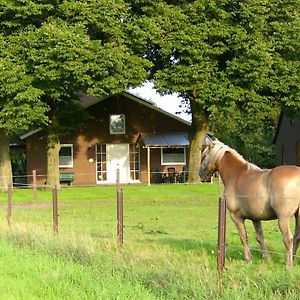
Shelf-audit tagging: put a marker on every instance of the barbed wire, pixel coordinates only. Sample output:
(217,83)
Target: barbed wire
(228,247)
(241,249)
(93,173)
(21,185)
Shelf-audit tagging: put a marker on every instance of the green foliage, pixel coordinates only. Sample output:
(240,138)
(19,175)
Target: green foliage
(252,137)
(62,47)
(20,105)
(228,51)
(238,60)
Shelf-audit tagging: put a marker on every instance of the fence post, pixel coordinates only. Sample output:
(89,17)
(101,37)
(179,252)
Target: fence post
(148,166)
(55,209)
(119,208)
(34,185)
(118,185)
(221,238)
(120,216)
(9,205)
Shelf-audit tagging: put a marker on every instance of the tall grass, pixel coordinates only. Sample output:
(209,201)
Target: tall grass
(169,248)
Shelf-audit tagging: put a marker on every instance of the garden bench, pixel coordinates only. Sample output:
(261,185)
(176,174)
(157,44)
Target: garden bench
(67,177)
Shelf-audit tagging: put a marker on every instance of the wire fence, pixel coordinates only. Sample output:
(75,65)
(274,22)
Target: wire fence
(95,210)
(165,214)
(69,178)
(171,214)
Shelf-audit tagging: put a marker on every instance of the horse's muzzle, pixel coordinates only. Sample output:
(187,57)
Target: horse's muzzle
(204,173)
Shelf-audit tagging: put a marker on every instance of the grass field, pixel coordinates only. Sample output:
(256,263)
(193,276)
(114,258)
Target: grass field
(169,251)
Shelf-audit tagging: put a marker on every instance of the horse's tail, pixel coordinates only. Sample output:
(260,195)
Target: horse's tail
(297,231)
(297,217)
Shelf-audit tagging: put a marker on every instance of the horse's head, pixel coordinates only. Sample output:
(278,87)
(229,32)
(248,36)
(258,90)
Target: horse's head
(210,155)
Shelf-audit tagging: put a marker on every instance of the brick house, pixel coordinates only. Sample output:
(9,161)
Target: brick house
(287,141)
(124,132)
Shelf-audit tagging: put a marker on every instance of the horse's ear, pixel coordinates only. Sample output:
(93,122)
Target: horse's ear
(209,143)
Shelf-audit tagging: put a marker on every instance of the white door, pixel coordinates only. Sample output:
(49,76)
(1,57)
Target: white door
(117,157)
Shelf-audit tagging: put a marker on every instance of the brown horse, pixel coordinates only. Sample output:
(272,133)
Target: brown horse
(256,194)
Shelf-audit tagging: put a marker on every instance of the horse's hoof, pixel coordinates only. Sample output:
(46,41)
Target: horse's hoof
(248,260)
(289,265)
(267,258)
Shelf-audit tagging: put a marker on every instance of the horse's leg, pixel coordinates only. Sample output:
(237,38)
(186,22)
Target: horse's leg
(239,222)
(284,225)
(260,238)
(297,232)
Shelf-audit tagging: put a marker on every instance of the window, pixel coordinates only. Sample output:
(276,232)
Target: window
(117,124)
(173,156)
(66,156)
(134,161)
(101,162)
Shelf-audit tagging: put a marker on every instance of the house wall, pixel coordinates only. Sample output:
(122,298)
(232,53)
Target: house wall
(139,118)
(36,158)
(288,142)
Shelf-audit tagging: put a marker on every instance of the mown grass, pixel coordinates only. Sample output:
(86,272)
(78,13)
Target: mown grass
(169,249)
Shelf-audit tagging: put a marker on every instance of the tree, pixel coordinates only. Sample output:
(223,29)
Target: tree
(223,58)
(252,136)
(20,106)
(72,46)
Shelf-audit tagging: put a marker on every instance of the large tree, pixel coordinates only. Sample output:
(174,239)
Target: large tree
(20,105)
(252,134)
(224,56)
(72,46)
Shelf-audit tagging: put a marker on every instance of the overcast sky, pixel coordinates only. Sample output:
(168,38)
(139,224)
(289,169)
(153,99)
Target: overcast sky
(169,103)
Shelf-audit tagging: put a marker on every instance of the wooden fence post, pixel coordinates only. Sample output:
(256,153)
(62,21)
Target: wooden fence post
(55,209)
(120,216)
(221,238)
(119,208)
(34,185)
(118,184)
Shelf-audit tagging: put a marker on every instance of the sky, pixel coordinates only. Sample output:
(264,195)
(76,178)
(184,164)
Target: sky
(169,103)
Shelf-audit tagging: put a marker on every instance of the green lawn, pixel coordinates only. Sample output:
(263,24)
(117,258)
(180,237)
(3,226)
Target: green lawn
(169,251)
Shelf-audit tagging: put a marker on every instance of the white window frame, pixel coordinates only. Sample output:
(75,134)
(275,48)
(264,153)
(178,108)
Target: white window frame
(172,163)
(101,159)
(133,155)
(72,158)
(110,123)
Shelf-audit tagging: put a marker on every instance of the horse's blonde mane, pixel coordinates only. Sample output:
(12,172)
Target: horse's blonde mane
(250,166)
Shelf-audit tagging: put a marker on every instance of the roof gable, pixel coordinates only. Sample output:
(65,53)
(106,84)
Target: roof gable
(87,101)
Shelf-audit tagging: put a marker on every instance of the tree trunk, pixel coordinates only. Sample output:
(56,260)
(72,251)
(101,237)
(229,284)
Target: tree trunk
(5,162)
(53,147)
(198,132)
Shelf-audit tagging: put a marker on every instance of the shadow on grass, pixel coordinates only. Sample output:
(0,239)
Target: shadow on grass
(184,244)
(233,252)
